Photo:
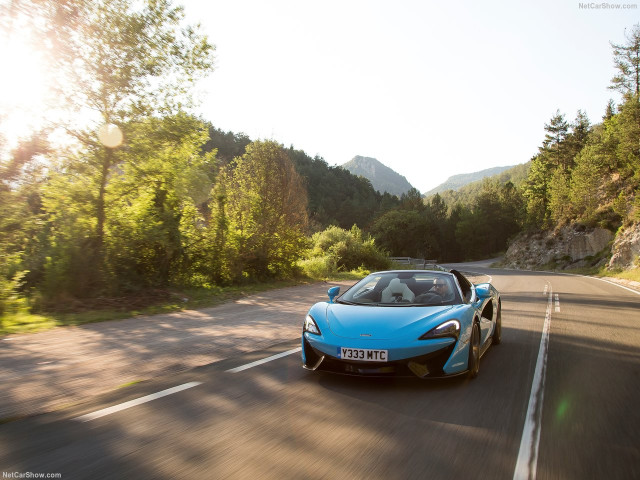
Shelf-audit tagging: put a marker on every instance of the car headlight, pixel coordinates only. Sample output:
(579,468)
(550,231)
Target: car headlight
(310,326)
(450,328)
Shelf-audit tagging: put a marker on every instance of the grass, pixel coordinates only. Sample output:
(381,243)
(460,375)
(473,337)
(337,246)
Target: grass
(25,322)
(633,274)
(21,321)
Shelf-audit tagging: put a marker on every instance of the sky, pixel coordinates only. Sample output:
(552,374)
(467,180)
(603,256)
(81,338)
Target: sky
(429,88)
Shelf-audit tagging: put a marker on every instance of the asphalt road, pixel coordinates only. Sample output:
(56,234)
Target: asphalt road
(276,420)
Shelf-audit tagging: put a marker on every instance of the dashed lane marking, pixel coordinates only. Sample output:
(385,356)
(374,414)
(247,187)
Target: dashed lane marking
(264,360)
(132,403)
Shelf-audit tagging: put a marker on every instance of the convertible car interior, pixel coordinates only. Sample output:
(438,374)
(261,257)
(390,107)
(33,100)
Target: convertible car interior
(411,288)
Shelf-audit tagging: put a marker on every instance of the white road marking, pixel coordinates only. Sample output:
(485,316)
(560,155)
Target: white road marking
(557,303)
(528,453)
(546,287)
(132,403)
(481,275)
(617,285)
(264,360)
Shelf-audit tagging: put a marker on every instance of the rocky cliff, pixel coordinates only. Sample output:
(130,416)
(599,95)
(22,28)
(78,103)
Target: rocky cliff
(567,247)
(625,251)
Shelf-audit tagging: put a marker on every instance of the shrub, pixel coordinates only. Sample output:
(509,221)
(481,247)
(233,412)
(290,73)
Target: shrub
(349,249)
(319,267)
(10,299)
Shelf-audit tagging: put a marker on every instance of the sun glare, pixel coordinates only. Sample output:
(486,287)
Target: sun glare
(24,85)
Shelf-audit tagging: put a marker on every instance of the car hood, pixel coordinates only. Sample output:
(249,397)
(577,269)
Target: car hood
(355,321)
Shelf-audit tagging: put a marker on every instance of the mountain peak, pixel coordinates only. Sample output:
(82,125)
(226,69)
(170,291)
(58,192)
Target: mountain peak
(383,178)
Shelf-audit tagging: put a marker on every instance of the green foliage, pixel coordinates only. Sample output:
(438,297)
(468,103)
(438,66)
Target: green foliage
(467,194)
(140,59)
(555,148)
(266,207)
(319,267)
(559,197)
(228,145)
(11,300)
(152,227)
(336,249)
(405,233)
(495,217)
(336,196)
(182,203)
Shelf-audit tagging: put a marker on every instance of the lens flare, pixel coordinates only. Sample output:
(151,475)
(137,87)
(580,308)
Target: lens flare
(110,135)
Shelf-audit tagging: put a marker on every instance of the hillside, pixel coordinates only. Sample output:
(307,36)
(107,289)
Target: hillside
(455,182)
(466,194)
(383,178)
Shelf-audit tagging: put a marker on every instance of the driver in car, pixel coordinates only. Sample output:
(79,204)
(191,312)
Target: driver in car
(442,288)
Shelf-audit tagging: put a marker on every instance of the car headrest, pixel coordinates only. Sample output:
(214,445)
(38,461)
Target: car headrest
(396,287)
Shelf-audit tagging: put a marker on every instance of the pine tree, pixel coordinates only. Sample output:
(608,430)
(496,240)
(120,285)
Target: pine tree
(626,59)
(553,147)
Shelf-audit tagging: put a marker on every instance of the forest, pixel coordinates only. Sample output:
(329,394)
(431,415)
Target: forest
(160,198)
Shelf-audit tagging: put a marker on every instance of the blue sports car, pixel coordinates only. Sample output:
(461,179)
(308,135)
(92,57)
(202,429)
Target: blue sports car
(429,323)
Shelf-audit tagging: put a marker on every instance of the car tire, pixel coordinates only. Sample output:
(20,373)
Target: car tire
(497,333)
(474,351)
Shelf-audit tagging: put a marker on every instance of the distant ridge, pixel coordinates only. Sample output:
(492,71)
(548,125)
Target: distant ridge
(383,178)
(455,182)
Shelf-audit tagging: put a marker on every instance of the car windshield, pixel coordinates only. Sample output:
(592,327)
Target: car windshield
(404,289)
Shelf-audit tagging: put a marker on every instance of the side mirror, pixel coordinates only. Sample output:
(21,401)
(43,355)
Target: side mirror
(333,293)
(483,290)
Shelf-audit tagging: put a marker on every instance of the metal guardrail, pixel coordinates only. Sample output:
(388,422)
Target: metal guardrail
(418,263)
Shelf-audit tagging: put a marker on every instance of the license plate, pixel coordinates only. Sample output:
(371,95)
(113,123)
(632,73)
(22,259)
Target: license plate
(364,354)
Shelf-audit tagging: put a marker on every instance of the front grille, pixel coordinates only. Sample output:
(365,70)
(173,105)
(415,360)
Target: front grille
(433,362)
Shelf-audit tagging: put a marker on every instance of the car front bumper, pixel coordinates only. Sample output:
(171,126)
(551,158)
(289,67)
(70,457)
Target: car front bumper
(424,358)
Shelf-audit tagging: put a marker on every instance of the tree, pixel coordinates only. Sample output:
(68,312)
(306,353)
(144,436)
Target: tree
(153,232)
(412,200)
(21,234)
(559,197)
(122,62)
(266,207)
(555,153)
(577,139)
(336,196)
(610,110)
(626,59)
(586,180)
(535,192)
(404,233)
(553,147)
(626,128)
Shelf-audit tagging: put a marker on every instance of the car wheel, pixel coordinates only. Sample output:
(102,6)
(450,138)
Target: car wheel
(474,351)
(497,333)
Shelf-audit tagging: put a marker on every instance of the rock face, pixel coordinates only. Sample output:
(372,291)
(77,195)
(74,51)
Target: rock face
(626,248)
(567,247)
(383,178)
